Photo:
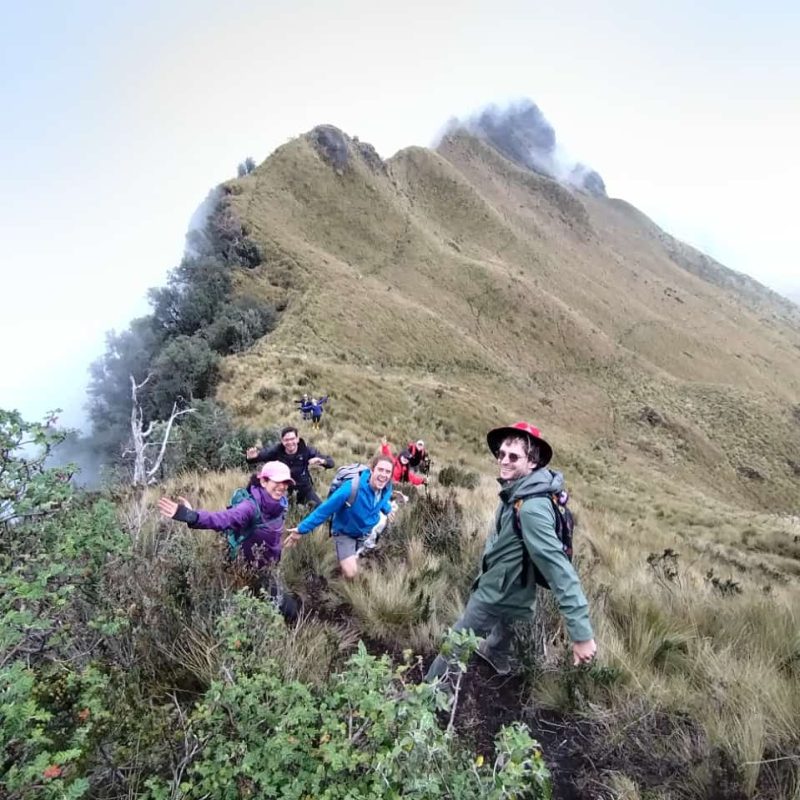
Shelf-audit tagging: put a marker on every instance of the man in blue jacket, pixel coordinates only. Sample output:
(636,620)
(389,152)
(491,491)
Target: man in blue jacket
(352,522)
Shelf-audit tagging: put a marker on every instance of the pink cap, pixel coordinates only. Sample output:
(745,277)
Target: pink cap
(276,471)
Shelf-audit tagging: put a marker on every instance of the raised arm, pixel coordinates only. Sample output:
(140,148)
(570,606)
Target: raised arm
(239,517)
(255,456)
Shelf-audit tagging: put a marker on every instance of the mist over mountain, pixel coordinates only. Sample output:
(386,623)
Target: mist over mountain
(522,134)
(474,286)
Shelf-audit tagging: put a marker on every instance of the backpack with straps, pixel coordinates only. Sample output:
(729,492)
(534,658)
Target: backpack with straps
(236,538)
(348,472)
(564,528)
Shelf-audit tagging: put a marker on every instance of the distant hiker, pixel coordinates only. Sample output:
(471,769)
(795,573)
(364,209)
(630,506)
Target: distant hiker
(521,541)
(353,514)
(257,521)
(418,459)
(298,456)
(315,408)
(401,466)
(304,406)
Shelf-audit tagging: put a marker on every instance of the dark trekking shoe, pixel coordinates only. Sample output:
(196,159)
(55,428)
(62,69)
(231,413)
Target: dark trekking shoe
(502,665)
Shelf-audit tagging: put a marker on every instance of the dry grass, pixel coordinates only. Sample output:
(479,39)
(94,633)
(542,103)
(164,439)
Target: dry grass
(670,639)
(620,787)
(456,292)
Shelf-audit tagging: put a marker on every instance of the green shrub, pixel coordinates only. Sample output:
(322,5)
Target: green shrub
(185,369)
(455,476)
(239,324)
(208,440)
(367,733)
(54,550)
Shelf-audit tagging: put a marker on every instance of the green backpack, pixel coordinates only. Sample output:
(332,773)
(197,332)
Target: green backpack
(235,538)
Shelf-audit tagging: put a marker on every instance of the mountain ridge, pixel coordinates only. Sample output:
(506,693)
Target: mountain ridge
(458,263)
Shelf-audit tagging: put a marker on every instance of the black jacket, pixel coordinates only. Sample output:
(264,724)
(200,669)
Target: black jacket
(297,462)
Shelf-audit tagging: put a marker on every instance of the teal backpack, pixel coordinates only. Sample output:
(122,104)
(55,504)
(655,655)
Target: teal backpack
(235,538)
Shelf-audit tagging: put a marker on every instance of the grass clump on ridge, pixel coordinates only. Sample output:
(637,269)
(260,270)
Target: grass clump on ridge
(452,475)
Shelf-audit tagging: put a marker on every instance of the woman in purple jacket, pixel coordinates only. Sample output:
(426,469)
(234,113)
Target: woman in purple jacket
(268,489)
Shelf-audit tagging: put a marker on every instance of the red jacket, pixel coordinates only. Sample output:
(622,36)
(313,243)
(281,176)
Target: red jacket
(401,472)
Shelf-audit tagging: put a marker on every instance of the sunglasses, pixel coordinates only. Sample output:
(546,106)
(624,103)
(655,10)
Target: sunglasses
(512,457)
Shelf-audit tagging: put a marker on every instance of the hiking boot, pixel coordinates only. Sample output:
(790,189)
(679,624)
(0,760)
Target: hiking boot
(501,664)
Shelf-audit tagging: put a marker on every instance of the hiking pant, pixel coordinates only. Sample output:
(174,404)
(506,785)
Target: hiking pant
(307,496)
(485,620)
(347,546)
(272,587)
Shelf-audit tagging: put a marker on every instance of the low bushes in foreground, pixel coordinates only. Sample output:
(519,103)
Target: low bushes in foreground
(365,733)
(140,671)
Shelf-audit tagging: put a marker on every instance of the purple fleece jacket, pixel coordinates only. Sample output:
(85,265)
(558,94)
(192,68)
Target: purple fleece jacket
(264,546)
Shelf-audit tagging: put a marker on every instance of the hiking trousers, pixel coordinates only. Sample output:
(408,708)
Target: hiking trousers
(484,620)
(307,496)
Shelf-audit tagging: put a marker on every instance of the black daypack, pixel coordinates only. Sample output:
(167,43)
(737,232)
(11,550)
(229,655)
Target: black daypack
(564,528)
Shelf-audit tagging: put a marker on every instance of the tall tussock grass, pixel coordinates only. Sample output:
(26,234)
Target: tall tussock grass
(672,639)
(718,668)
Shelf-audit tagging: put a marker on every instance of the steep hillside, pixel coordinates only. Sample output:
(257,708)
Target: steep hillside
(441,291)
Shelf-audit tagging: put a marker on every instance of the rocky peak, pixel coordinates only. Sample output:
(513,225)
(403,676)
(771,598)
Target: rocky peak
(523,135)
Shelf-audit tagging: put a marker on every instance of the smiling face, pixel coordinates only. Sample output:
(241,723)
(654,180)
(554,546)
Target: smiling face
(290,441)
(512,459)
(275,489)
(381,474)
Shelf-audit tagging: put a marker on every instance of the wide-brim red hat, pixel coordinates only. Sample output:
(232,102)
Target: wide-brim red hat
(496,436)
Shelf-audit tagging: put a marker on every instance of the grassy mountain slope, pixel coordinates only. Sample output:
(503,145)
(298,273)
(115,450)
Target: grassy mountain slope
(442,291)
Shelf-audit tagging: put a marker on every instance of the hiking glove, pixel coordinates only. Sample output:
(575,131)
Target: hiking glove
(187,515)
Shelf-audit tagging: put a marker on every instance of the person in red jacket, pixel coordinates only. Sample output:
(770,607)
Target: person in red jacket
(401,469)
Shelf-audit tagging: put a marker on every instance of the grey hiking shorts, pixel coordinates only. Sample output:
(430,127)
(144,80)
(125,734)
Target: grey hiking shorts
(347,546)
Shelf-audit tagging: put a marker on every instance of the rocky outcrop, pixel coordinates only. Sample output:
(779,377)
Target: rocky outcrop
(523,135)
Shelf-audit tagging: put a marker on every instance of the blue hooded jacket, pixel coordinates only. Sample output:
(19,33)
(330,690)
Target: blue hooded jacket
(356,520)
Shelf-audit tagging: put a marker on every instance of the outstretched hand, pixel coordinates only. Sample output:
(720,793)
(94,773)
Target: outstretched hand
(292,539)
(169,507)
(583,652)
(252,452)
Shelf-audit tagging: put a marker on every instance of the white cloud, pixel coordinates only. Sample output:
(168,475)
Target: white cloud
(133,114)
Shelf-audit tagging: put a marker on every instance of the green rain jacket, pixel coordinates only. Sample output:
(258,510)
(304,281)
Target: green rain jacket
(500,581)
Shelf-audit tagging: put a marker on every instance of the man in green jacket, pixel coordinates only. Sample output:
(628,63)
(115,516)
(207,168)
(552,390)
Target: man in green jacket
(505,589)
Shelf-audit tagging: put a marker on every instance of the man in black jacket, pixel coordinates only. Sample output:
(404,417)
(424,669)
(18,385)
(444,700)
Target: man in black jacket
(298,456)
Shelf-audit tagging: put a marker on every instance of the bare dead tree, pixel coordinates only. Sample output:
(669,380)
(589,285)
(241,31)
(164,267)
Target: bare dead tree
(144,466)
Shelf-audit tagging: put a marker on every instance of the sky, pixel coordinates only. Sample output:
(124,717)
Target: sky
(119,118)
